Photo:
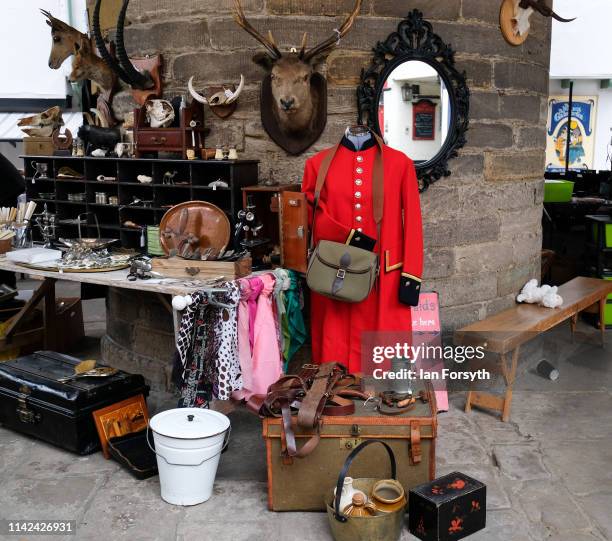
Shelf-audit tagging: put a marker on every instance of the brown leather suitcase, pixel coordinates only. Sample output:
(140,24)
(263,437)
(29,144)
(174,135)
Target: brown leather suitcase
(294,231)
(300,484)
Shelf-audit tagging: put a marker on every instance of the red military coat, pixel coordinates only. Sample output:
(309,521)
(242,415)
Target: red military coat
(346,210)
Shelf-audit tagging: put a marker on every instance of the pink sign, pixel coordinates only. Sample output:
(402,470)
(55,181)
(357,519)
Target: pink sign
(426,319)
(426,316)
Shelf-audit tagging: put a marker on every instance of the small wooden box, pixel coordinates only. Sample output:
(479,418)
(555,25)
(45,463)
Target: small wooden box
(177,267)
(38,146)
(449,508)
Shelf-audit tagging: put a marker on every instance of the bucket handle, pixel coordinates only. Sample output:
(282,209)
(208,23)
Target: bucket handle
(225,444)
(338,515)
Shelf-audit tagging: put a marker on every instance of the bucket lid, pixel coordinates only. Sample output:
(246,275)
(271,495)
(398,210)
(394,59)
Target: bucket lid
(189,423)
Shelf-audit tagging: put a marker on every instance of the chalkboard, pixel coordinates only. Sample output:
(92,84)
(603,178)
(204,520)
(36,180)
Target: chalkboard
(424,121)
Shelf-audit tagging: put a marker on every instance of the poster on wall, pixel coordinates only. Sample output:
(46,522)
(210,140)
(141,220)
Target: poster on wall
(424,121)
(581,133)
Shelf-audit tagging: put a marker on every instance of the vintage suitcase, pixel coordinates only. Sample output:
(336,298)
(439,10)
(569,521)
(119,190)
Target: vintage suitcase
(34,402)
(301,484)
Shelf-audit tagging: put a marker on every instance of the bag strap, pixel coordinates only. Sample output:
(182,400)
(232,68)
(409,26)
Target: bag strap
(377,187)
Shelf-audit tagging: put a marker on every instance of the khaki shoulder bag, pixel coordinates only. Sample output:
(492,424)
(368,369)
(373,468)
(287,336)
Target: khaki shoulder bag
(340,271)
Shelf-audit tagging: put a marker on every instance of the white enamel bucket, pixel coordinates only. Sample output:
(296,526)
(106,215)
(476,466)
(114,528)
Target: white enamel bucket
(188,445)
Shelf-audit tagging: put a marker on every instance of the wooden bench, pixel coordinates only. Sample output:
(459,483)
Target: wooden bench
(504,333)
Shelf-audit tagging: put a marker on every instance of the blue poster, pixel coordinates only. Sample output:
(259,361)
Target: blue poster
(581,133)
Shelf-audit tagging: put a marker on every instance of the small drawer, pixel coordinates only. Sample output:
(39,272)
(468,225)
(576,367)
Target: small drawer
(159,139)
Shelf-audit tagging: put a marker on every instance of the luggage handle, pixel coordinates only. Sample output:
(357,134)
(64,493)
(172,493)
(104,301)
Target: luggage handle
(225,444)
(338,515)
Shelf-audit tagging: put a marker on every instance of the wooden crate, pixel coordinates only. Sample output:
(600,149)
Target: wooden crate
(177,267)
(38,146)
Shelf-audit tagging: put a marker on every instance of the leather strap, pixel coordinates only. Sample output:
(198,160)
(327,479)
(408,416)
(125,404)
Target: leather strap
(377,184)
(314,402)
(415,442)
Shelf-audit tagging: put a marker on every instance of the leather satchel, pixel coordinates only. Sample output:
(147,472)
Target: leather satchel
(341,271)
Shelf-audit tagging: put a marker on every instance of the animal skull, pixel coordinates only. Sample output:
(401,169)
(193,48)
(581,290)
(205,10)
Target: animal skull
(160,113)
(42,124)
(524,9)
(224,97)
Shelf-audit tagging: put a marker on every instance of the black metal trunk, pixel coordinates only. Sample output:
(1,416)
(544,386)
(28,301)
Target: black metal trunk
(32,401)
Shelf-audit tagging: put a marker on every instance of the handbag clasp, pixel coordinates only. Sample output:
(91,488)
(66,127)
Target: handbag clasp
(341,274)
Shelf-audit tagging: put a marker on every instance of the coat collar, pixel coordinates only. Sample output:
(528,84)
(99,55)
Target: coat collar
(347,143)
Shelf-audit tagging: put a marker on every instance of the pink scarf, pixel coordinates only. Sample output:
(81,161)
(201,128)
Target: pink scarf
(266,361)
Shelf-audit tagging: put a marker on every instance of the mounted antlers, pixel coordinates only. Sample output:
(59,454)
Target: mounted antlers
(515,18)
(323,47)
(295,94)
(123,67)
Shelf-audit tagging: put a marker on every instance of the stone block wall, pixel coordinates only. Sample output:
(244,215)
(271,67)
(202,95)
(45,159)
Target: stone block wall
(482,224)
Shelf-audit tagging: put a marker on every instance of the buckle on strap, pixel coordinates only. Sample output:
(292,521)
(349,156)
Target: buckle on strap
(341,274)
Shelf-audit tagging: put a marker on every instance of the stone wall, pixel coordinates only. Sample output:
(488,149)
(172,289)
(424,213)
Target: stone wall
(482,224)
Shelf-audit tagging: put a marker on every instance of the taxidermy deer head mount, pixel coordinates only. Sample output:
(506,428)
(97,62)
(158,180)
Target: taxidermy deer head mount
(63,38)
(515,18)
(122,66)
(223,101)
(88,65)
(293,94)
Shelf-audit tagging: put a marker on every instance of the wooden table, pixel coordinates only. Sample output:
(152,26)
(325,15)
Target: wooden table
(46,293)
(504,333)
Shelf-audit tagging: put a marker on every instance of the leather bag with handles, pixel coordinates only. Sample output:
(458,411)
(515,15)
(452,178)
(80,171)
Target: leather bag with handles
(340,271)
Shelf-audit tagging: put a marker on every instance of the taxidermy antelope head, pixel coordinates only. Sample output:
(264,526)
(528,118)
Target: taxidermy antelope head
(63,38)
(295,93)
(122,66)
(516,15)
(223,102)
(42,124)
(87,65)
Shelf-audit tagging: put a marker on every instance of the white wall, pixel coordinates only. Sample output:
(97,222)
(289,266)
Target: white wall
(582,48)
(25,42)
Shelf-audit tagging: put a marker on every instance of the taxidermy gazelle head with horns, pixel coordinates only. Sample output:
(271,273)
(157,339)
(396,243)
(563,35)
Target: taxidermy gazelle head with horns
(122,66)
(515,18)
(88,65)
(222,102)
(294,95)
(63,38)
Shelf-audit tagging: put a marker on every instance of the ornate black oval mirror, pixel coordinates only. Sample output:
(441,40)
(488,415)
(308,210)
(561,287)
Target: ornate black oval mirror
(414,97)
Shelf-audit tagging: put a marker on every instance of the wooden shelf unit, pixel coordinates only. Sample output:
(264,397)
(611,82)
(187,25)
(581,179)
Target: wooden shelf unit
(195,174)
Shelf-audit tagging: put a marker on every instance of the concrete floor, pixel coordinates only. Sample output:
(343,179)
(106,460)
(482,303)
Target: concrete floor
(548,472)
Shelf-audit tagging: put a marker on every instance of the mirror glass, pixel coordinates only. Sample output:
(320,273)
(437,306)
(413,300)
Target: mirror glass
(414,113)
